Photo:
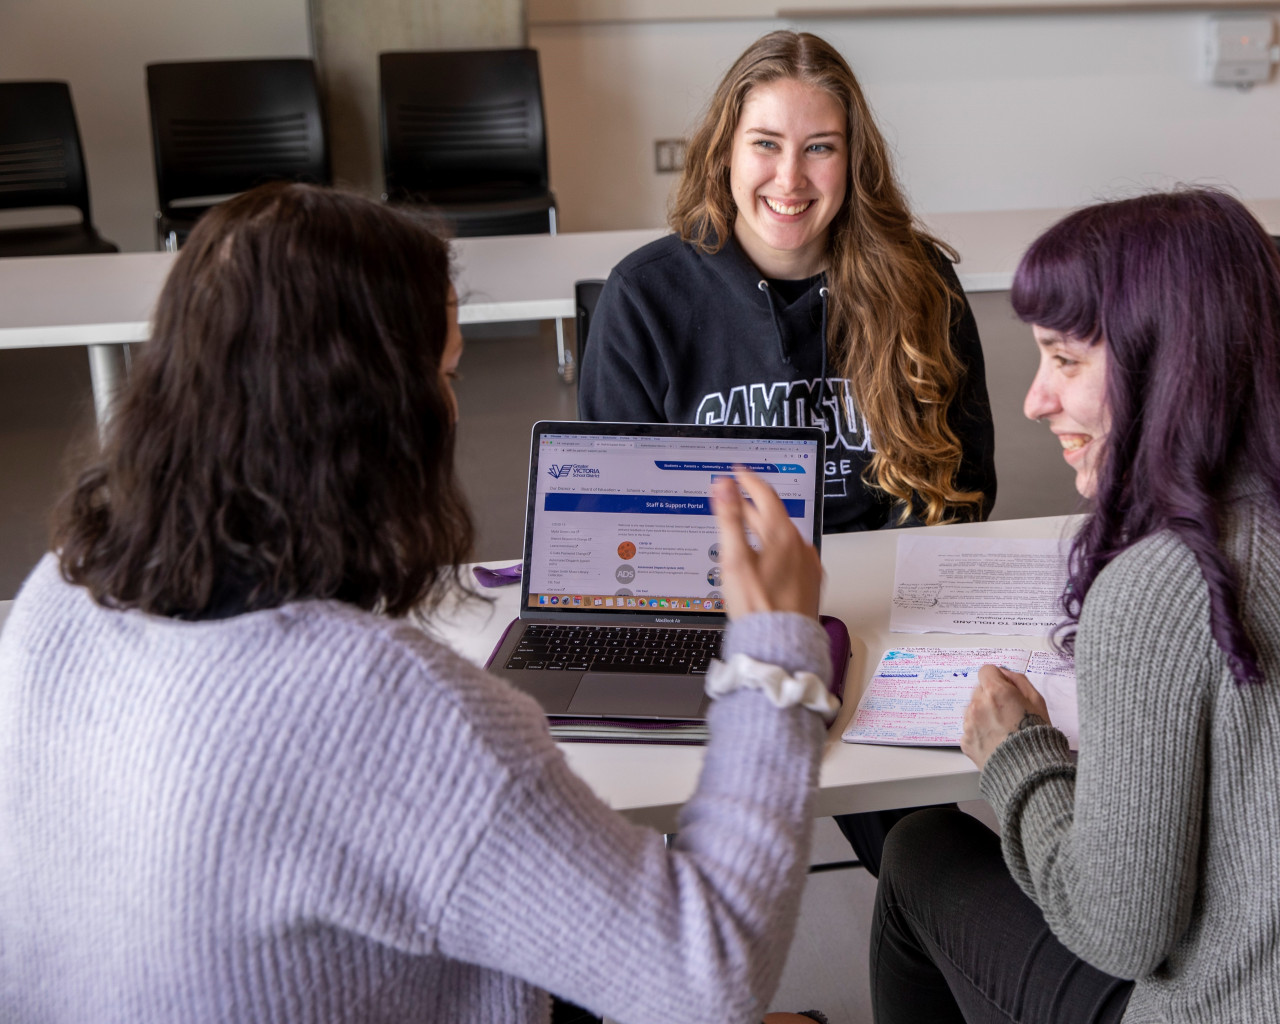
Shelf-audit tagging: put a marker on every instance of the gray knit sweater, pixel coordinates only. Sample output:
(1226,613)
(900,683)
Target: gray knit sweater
(313,814)
(1158,858)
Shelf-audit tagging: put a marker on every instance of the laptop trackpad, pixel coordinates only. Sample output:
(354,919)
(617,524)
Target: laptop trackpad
(623,695)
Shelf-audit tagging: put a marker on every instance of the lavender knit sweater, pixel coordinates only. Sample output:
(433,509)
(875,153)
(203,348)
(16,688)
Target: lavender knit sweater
(313,814)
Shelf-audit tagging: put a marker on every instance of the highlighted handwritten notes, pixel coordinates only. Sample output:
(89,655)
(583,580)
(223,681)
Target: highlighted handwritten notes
(918,695)
(1054,677)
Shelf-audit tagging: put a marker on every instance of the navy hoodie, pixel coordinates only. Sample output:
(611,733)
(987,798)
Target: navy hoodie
(680,336)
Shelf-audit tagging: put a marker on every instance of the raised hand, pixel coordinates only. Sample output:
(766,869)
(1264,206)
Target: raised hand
(785,574)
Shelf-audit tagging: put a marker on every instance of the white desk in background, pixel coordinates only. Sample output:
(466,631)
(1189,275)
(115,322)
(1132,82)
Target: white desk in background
(106,301)
(649,783)
(102,301)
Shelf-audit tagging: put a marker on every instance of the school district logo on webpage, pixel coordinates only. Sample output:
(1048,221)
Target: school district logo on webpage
(573,469)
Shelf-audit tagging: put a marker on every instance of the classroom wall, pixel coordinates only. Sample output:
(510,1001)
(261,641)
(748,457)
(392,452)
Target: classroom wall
(349,35)
(102,49)
(983,112)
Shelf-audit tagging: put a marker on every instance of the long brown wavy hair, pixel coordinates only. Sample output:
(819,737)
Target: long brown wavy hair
(285,433)
(891,310)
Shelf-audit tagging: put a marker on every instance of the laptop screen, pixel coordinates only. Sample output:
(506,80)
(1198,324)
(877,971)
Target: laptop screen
(620,514)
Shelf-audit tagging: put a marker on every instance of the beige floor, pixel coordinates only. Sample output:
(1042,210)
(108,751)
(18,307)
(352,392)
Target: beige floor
(509,380)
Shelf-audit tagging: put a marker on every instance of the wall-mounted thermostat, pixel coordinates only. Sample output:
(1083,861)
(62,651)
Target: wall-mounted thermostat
(1238,50)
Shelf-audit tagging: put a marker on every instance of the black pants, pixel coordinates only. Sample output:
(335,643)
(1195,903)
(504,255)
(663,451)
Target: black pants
(569,1013)
(955,939)
(866,832)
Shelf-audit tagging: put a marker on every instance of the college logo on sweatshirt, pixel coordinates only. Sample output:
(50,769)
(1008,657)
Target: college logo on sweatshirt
(794,404)
(791,404)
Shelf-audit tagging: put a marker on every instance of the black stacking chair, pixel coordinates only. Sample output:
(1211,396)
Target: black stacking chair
(220,127)
(42,166)
(586,294)
(463,132)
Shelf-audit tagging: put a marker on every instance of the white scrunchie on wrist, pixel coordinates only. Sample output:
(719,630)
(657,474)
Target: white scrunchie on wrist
(784,690)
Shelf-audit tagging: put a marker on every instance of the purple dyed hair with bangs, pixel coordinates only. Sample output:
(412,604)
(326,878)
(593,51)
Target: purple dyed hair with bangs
(1183,288)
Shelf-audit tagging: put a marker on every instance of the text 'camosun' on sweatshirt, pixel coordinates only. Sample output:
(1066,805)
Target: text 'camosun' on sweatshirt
(682,336)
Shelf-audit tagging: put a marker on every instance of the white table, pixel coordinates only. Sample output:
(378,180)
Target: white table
(530,277)
(102,301)
(649,783)
(106,301)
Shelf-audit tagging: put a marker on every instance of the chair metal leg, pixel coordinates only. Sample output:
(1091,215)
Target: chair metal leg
(564,358)
(107,372)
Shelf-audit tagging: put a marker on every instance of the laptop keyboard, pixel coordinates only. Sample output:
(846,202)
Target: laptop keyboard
(666,649)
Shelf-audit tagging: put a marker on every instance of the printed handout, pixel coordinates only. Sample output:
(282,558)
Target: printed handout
(978,585)
(918,695)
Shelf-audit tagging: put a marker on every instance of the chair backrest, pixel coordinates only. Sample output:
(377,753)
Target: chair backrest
(462,124)
(221,127)
(586,294)
(40,159)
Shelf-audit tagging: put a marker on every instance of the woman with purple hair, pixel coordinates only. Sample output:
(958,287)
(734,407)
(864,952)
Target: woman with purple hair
(1143,882)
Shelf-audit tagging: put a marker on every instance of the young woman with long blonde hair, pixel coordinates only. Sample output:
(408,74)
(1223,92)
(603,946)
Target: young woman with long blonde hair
(797,288)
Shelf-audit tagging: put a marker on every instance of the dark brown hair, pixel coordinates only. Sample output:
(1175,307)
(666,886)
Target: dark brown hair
(286,432)
(891,308)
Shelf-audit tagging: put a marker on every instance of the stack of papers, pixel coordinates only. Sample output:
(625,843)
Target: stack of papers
(966,585)
(978,585)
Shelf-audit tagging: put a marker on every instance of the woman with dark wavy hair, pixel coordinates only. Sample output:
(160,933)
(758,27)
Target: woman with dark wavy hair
(798,289)
(1143,883)
(235,784)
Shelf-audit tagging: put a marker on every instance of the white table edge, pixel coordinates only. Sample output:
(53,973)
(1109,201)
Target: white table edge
(68,335)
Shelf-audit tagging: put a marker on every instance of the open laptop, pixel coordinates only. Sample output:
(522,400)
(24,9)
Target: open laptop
(620,603)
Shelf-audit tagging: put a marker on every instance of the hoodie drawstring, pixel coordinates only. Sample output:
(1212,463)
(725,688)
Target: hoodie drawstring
(783,354)
(822,386)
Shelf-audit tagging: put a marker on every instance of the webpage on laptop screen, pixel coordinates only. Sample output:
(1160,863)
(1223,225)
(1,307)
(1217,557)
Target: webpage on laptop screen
(626,523)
